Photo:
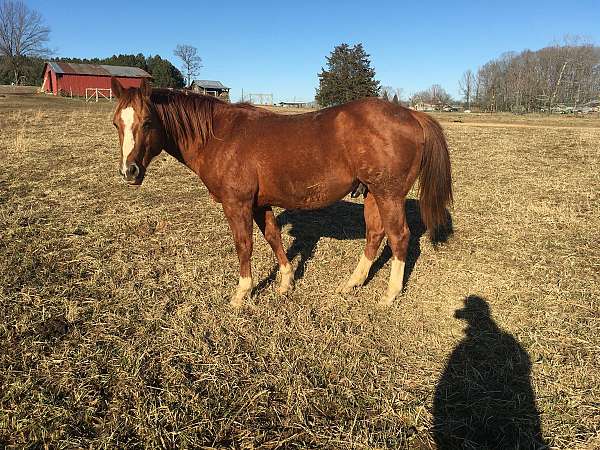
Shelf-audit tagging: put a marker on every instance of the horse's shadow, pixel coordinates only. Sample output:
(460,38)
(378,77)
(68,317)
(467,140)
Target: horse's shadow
(344,220)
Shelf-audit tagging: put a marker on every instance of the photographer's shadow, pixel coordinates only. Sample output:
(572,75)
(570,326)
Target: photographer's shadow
(485,399)
(345,220)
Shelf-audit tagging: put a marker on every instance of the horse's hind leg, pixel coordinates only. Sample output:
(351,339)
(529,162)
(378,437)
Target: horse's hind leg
(393,217)
(265,219)
(375,234)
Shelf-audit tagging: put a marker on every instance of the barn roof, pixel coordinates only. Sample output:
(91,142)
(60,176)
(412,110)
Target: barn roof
(209,84)
(101,70)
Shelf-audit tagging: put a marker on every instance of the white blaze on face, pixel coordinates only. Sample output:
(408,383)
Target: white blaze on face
(128,141)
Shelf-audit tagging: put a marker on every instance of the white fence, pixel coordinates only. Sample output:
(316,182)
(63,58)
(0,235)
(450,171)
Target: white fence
(96,93)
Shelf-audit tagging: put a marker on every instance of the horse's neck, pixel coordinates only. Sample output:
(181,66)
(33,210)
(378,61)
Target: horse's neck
(183,151)
(189,150)
(173,149)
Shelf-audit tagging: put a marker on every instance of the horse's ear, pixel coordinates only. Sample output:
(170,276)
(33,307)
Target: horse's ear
(145,88)
(116,87)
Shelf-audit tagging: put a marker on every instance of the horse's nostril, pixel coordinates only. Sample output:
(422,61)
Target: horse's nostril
(133,170)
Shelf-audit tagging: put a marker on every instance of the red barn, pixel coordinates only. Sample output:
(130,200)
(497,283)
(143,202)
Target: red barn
(69,78)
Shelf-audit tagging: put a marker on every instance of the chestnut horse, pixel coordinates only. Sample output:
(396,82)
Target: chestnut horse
(251,159)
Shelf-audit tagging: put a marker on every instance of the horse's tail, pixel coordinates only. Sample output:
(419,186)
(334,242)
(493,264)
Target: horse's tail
(435,177)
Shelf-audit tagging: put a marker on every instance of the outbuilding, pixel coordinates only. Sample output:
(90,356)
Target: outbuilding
(62,78)
(211,87)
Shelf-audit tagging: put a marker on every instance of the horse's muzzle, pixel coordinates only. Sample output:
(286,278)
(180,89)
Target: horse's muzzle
(133,175)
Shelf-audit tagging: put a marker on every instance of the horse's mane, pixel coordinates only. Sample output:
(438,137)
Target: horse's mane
(188,115)
(185,115)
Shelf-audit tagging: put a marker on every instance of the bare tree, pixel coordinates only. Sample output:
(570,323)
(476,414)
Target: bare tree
(23,34)
(561,77)
(398,94)
(386,92)
(436,96)
(389,93)
(191,61)
(476,89)
(466,86)
(415,98)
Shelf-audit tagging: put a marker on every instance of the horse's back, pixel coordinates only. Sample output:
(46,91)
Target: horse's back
(313,159)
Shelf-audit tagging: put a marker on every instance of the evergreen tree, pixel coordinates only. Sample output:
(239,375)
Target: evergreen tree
(395,99)
(164,73)
(349,76)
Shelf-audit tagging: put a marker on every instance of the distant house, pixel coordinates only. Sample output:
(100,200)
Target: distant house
(211,87)
(439,106)
(422,106)
(73,79)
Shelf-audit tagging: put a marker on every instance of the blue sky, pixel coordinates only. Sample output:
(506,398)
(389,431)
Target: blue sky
(279,47)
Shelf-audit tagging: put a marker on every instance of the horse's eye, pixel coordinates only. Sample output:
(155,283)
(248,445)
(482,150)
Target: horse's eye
(147,124)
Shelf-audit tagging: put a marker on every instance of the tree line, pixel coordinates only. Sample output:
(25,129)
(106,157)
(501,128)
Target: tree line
(558,75)
(164,73)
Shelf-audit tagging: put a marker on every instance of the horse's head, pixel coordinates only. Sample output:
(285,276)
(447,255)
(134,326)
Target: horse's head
(139,131)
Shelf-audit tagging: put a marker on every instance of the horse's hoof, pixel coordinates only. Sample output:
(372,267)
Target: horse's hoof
(240,304)
(346,288)
(282,290)
(385,302)
(236,303)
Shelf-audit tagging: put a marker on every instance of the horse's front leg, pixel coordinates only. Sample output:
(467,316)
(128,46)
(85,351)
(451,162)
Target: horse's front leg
(239,216)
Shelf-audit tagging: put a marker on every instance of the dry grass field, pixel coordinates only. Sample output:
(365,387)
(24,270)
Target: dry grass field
(115,330)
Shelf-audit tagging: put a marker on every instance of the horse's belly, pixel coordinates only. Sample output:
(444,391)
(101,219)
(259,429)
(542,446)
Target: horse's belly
(305,193)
